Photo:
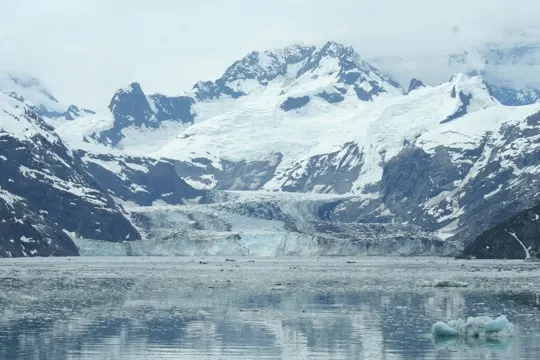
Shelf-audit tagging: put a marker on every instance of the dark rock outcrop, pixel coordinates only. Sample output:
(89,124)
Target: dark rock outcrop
(139,180)
(26,231)
(295,103)
(332,97)
(54,190)
(132,107)
(510,96)
(415,84)
(503,240)
(252,67)
(465,101)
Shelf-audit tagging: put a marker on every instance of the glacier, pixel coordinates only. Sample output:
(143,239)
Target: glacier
(262,225)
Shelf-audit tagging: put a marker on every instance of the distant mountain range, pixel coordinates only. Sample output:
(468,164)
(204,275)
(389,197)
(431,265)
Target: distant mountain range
(509,68)
(410,170)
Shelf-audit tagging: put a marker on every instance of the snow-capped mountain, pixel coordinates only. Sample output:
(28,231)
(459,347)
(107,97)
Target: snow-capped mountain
(40,174)
(508,67)
(516,97)
(313,147)
(330,72)
(37,97)
(47,190)
(131,107)
(294,76)
(350,153)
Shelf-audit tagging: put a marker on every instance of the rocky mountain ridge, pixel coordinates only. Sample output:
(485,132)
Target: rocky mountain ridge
(448,161)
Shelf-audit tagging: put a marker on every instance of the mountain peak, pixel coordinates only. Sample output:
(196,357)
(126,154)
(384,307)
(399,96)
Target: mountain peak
(32,83)
(415,84)
(339,62)
(334,49)
(471,93)
(31,91)
(129,100)
(267,65)
(130,106)
(331,50)
(349,70)
(133,87)
(294,53)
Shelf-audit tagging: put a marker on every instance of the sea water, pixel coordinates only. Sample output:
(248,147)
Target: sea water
(253,308)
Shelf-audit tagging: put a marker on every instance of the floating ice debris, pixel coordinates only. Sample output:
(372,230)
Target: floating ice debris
(450,284)
(481,327)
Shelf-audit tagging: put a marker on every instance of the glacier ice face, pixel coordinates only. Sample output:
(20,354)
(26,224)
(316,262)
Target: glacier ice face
(259,224)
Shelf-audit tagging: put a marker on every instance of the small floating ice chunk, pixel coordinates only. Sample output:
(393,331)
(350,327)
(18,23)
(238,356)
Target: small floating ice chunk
(482,327)
(449,284)
(442,329)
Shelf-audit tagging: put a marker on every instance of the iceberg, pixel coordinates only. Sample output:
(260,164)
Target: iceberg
(481,327)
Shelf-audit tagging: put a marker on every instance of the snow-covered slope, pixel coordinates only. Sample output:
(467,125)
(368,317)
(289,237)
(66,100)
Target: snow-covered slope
(27,231)
(468,176)
(323,138)
(289,80)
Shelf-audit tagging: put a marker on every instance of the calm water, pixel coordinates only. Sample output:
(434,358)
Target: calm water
(131,308)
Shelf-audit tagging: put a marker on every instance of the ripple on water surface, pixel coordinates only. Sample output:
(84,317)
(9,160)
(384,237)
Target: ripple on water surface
(328,308)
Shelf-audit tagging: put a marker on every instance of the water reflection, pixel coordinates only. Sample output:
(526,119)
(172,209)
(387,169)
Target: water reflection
(472,344)
(115,318)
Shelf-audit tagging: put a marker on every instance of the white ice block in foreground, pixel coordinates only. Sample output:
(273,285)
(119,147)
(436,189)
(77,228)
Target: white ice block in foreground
(477,327)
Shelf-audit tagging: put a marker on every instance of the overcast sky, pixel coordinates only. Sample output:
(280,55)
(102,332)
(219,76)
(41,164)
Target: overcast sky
(83,50)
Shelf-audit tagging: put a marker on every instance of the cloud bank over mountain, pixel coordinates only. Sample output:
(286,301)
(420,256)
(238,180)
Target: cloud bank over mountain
(169,45)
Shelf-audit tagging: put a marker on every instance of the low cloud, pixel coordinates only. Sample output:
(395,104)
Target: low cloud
(86,49)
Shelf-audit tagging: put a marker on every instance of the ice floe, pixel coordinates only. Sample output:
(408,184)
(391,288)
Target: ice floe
(481,327)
